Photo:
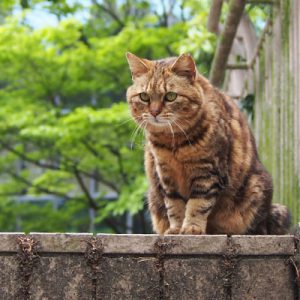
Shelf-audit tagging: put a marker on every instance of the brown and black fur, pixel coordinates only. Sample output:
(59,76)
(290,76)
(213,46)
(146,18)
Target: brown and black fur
(200,156)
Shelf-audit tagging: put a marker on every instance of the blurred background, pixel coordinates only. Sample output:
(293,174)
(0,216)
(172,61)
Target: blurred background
(71,158)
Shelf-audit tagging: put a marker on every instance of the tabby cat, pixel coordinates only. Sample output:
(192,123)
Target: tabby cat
(200,155)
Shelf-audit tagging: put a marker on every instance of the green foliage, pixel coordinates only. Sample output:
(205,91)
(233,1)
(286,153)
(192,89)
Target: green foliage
(259,14)
(129,199)
(63,120)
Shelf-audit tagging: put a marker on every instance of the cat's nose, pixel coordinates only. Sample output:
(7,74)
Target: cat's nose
(155,108)
(155,111)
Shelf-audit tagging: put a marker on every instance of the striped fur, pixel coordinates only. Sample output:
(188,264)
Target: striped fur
(200,156)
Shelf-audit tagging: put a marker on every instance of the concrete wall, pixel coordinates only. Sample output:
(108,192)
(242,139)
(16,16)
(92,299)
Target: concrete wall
(82,266)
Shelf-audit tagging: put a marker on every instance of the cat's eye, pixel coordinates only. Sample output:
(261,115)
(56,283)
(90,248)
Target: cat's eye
(145,97)
(171,96)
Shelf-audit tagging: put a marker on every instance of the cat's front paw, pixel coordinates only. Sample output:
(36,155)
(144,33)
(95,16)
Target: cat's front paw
(174,230)
(191,229)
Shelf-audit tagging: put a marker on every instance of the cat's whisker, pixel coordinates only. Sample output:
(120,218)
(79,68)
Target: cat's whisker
(126,121)
(142,128)
(135,133)
(182,131)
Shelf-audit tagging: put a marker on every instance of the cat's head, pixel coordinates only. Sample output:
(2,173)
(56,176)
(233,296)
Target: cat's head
(165,95)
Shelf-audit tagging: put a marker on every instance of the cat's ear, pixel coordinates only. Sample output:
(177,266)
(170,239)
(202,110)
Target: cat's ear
(185,66)
(138,66)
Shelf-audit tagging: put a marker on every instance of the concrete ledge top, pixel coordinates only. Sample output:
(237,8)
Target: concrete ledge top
(150,244)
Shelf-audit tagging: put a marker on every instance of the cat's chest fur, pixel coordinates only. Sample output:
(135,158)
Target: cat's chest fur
(172,171)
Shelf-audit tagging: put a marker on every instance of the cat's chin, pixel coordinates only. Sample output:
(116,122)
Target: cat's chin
(157,126)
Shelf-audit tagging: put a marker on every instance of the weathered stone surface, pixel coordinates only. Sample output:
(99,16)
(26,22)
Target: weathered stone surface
(145,244)
(149,267)
(179,244)
(185,245)
(195,278)
(9,283)
(47,242)
(58,277)
(297,257)
(62,242)
(263,278)
(264,244)
(128,278)
(8,241)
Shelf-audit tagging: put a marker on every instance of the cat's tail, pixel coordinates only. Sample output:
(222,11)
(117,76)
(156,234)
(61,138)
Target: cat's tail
(279,219)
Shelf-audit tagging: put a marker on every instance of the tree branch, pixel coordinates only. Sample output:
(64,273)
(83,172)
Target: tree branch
(68,168)
(43,81)
(182,11)
(47,191)
(171,7)
(110,12)
(114,151)
(39,188)
(91,149)
(127,10)
(29,159)
(118,155)
(165,16)
(83,187)
(218,68)
(214,16)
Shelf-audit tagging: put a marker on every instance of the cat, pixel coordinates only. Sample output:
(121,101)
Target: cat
(201,159)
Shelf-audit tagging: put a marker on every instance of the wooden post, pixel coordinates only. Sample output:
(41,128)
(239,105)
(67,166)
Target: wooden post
(214,16)
(217,74)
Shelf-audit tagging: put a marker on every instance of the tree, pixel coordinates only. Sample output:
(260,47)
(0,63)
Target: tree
(63,120)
